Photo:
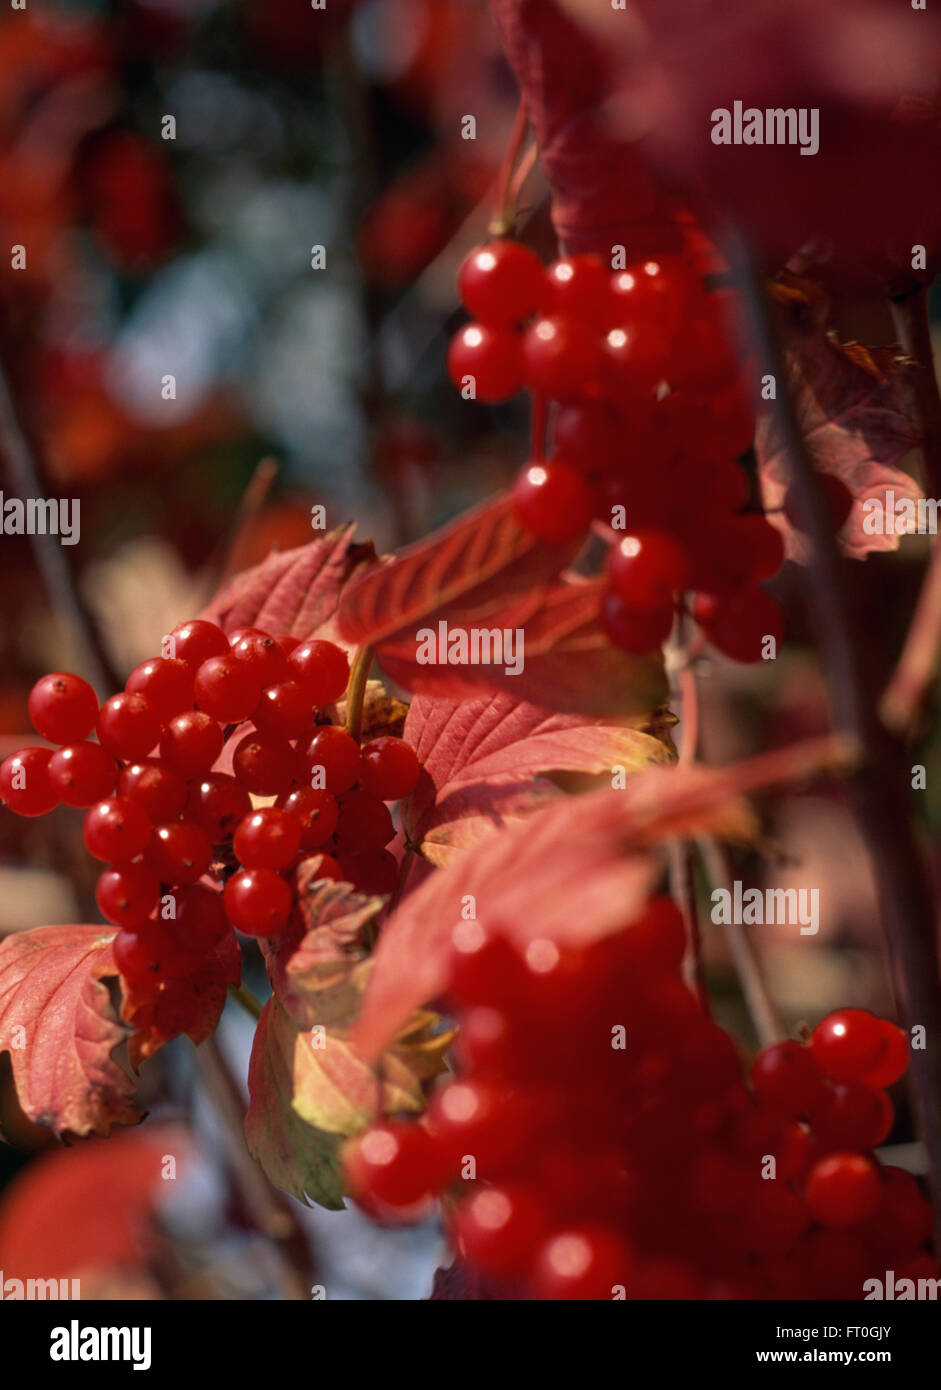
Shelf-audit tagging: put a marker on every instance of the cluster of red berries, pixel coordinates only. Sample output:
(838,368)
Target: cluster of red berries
(616,1151)
(164,821)
(652,415)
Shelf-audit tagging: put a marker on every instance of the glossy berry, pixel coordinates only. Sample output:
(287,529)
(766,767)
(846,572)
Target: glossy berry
(553,502)
(501,283)
(155,786)
(82,773)
(842,1190)
(263,655)
(578,287)
(265,767)
(853,1116)
(743,623)
(894,1060)
(837,498)
(166,683)
(228,689)
(582,1263)
(562,357)
(199,921)
(392,1165)
(195,642)
(127,896)
(487,361)
(63,707)
(316,813)
(191,742)
(25,785)
(787,1079)
(116,830)
(127,726)
(285,711)
(328,867)
(364,823)
(656,293)
(148,953)
(179,852)
(500,1228)
(388,769)
(257,902)
(333,754)
(632,630)
(848,1043)
(646,569)
(267,839)
(322,668)
(217,803)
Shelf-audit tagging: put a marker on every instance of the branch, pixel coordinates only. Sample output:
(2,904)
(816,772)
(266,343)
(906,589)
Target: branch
(906,691)
(879,790)
(910,316)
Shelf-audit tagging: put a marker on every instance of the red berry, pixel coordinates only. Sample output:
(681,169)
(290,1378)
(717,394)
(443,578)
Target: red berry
(389,769)
(646,570)
(837,498)
(316,813)
(634,631)
(332,755)
(589,434)
(285,711)
(227,688)
(199,921)
(195,642)
(743,622)
(499,1229)
(849,1043)
(191,742)
(583,1263)
(843,1190)
(376,871)
(553,502)
(116,830)
(25,785)
(217,803)
(657,293)
(263,655)
(364,823)
(82,773)
(267,839)
(894,1062)
(562,357)
(322,668)
(328,868)
(392,1165)
(853,1116)
(287,643)
(63,707)
(475,1117)
(492,360)
(159,789)
(266,767)
(257,902)
(127,726)
(166,683)
(501,283)
(578,288)
(179,852)
(127,896)
(787,1079)
(146,953)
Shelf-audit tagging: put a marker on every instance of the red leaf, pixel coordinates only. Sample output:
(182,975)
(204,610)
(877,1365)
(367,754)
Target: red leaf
(481,759)
(479,565)
(853,427)
(294,591)
(562,873)
(192,1005)
(58,1025)
(569,662)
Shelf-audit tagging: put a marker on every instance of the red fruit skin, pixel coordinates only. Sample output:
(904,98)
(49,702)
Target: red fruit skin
(553,501)
(578,287)
(322,668)
(147,953)
(388,769)
(743,622)
(316,812)
(257,902)
(200,921)
(501,283)
(848,1043)
(228,689)
(127,896)
(787,1079)
(633,631)
(364,823)
(165,683)
(372,872)
(63,707)
(266,767)
(262,653)
(178,853)
(155,786)
(392,1165)
(284,711)
(582,1263)
(267,839)
(894,1061)
(82,773)
(843,1190)
(853,1116)
(216,803)
(195,642)
(127,726)
(116,830)
(499,1229)
(646,569)
(562,358)
(334,751)
(191,743)
(492,357)
(37,795)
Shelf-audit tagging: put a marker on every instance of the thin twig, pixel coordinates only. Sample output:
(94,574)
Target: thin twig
(765,1020)
(910,316)
(268,1211)
(356,691)
(879,789)
(26,476)
(504,217)
(912,677)
(249,1002)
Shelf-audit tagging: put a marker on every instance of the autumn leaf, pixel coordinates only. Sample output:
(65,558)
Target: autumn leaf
(568,661)
(293,592)
(480,564)
(58,1024)
(574,871)
(192,1005)
(482,759)
(296,1157)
